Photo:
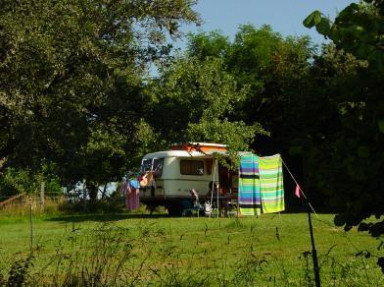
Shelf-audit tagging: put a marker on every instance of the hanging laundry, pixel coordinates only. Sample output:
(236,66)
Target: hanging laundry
(146,180)
(130,189)
(249,185)
(128,195)
(271,184)
(134,183)
(133,197)
(297,191)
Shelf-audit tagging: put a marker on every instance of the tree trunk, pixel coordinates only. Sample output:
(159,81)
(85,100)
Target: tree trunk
(104,192)
(92,191)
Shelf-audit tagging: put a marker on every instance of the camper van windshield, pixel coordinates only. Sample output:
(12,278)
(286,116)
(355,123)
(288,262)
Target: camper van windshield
(146,165)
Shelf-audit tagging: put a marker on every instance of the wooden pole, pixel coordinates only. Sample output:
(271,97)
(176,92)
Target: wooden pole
(218,200)
(213,184)
(42,196)
(84,196)
(217,190)
(316,268)
(31,223)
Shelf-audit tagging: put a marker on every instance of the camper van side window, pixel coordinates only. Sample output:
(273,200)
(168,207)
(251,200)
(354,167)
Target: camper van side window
(208,164)
(192,167)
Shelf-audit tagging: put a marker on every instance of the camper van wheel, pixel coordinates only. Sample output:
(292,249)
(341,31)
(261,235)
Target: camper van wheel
(175,210)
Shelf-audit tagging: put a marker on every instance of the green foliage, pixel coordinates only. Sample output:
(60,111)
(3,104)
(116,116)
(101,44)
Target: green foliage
(208,45)
(357,29)
(14,181)
(313,19)
(191,93)
(48,176)
(237,135)
(146,140)
(356,145)
(19,271)
(227,92)
(274,69)
(111,205)
(251,53)
(105,154)
(71,80)
(381,126)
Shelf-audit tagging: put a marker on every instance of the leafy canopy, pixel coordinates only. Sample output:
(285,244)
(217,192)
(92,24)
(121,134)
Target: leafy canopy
(71,79)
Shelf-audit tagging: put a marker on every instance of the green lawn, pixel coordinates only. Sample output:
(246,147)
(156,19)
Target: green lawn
(134,250)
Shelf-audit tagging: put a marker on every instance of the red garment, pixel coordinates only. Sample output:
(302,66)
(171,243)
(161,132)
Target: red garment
(133,198)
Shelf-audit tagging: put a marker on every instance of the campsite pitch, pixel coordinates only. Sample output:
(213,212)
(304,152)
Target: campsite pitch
(134,250)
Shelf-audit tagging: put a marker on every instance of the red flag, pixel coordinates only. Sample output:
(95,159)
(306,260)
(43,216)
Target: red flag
(297,191)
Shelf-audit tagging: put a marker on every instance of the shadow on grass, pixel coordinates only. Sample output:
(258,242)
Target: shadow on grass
(103,217)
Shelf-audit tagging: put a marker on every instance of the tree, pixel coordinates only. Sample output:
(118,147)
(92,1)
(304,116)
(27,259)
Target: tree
(70,79)
(237,135)
(276,72)
(194,102)
(357,157)
(208,45)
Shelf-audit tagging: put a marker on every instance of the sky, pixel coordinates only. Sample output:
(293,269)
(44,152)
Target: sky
(284,16)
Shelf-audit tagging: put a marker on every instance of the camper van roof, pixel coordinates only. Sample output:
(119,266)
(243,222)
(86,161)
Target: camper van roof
(199,144)
(177,153)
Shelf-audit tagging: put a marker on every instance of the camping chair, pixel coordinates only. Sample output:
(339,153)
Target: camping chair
(192,208)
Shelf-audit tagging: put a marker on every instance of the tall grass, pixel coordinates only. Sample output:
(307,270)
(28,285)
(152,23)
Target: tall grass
(188,252)
(21,207)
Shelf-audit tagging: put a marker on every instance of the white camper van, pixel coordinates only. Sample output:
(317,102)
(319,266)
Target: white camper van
(174,173)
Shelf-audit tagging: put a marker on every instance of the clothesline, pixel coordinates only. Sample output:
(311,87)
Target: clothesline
(301,191)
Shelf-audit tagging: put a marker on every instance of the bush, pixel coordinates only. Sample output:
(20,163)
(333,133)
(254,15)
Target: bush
(14,181)
(108,205)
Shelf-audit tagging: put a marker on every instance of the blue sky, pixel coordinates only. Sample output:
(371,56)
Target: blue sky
(284,16)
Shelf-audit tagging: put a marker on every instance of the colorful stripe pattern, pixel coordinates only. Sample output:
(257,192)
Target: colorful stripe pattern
(249,185)
(271,184)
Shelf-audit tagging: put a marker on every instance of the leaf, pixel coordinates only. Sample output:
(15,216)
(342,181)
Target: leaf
(381,125)
(295,150)
(348,11)
(313,19)
(324,27)
(353,7)
(363,152)
(334,34)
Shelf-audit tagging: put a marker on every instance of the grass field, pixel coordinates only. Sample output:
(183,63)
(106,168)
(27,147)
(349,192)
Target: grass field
(139,250)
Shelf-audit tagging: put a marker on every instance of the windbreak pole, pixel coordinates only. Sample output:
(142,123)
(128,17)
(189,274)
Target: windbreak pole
(316,268)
